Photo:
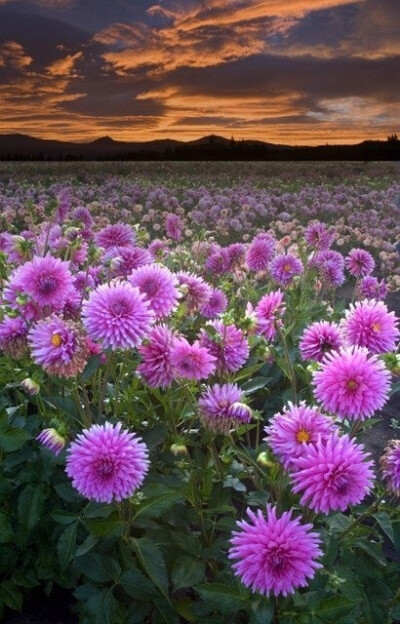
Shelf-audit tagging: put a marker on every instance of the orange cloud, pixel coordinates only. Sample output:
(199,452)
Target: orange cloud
(64,66)
(12,54)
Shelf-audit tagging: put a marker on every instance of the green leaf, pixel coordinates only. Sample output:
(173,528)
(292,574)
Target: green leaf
(91,367)
(254,384)
(223,598)
(373,550)
(66,545)
(152,560)
(30,505)
(385,523)
(101,527)
(155,507)
(64,517)
(137,585)
(89,543)
(102,608)
(334,607)
(262,612)
(6,532)
(12,438)
(99,568)
(10,595)
(187,572)
(338,522)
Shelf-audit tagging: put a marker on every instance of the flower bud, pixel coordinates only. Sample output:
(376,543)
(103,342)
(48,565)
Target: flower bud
(263,460)
(179,449)
(30,386)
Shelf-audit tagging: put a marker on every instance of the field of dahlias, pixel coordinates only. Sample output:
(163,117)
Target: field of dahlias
(198,398)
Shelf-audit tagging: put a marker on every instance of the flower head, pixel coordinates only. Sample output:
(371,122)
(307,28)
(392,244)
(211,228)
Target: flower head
(290,433)
(228,345)
(156,368)
(221,407)
(46,280)
(123,260)
(370,324)
(174,227)
(390,463)
(351,383)
(260,252)
(284,268)
(107,463)
(116,235)
(334,474)
(268,312)
(275,554)
(159,287)
(52,440)
(318,236)
(191,361)
(198,292)
(58,346)
(13,332)
(216,304)
(318,339)
(117,315)
(359,262)
(371,288)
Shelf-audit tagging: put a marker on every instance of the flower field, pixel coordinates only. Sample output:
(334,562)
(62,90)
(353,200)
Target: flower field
(194,358)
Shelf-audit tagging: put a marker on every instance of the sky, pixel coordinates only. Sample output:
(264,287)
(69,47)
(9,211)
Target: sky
(293,72)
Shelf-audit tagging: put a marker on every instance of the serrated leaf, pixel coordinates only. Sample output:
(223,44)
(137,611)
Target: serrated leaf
(12,438)
(254,384)
(91,367)
(66,545)
(30,505)
(385,523)
(187,572)
(221,597)
(334,607)
(152,560)
(137,585)
(64,517)
(102,608)
(89,543)
(155,507)
(10,595)
(262,612)
(101,527)
(97,567)
(373,550)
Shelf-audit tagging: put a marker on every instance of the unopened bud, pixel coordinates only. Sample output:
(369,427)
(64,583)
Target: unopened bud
(30,386)
(263,460)
(179,449)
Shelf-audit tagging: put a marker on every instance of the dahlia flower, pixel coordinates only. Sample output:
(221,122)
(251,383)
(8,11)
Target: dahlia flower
(318,236)
(216,304)
(229,346)
(196,291)
(359,262)
(335,473)
(371,288)
(260,252)
(156,368)
(116,235)
(159,287)
(13,332)
(351,383)
(276,554)
(221,407)
(191,361)
(390,462)
(290,433)
(117,315)
(268,313)
(318,339)
(370,324)
(284,268)
(52,440)
(107,463)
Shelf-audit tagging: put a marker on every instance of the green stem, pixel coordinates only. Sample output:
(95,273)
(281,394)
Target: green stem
(104,385)
(360,518)
(292,375)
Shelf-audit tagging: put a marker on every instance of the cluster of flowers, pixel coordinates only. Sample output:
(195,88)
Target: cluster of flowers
(113,294)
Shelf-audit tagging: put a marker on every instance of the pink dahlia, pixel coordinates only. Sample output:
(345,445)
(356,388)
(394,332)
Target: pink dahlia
(269,312)
(221,407)
(52,440)
(158,249)
(370,324)
(290,433)
(318,339)
(227,344)
(191,361)
(117,315)
(156,368)
(13,333)
(58,346)
(284,268)
(218,262)
(116,235)
(121,261)
(195,290)
(260,252)
(359,262)
(330,265)
(174,227)
(159,287)
(334,474)
(318,236)
(390,463)
(236,253)
(371,288)
(275,554)
(351,383)
(216,304)
(46,280)
(107,463)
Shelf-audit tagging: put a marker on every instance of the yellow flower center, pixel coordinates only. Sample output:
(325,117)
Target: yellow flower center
(56,340)
(303,436)
(376,327)
(287,268)
(352,384)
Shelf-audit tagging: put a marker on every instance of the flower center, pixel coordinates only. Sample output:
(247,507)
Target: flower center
(119,308)
(56,340)
(151,288)
(376,327)
(223,403)
(341,483)
(352,384)
(47,284)
(105,468)
(287,268)
(303,436)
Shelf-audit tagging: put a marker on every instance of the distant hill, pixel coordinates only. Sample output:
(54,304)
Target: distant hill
(211,147)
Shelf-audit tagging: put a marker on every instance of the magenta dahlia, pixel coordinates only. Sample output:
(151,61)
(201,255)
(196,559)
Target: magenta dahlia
(221,407)
(275,554)
(351,383)
(370,324)
(390,462)
(174,227)
(359,262)
(335,473)
(318,236)
(269,312)
(260,252)
(196,291)
(107,463)
(229,346)
(216,304)
(284,268)
(116,235)
(13,333)
(117,315)
(371,288)
(318,339)
(290,433)
(191,361)
(156,367)
(159,287)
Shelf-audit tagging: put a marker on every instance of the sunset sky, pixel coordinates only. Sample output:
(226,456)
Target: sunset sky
(294,71)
